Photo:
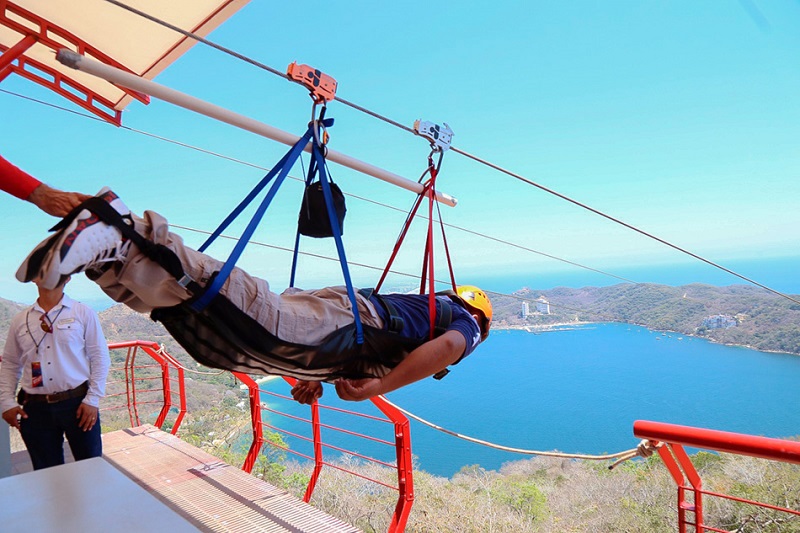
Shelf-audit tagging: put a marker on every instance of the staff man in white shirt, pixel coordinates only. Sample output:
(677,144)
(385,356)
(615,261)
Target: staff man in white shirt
(57,348)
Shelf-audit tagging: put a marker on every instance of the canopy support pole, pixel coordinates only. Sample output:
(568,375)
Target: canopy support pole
(131,81)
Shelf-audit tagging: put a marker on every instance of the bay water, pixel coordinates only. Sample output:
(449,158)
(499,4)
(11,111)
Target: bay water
(577,389)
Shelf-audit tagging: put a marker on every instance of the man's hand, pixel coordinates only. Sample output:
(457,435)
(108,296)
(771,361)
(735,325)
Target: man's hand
(13,415)
(87,416)
(55,202)
(307,391)
(356,390)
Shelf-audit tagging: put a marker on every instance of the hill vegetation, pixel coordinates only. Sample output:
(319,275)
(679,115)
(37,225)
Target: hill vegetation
(763,321)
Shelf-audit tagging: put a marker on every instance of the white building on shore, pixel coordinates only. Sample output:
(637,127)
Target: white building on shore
(542,305)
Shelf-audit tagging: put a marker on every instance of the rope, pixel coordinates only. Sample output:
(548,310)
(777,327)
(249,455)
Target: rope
(644,449)
(463,153)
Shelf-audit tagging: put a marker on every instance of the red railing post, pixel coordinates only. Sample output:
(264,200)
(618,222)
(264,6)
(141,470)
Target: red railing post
(316,435)
(402,445)
(165,361)
(132,400)
(128,385)
(182,394)
(165,384)
(405,471)
(255,420)
(318,461)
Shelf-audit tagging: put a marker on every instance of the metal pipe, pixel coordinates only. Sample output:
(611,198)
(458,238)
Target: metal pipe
(722,441)
(73,60)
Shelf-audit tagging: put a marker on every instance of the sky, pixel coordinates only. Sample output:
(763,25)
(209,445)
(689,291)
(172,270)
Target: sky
(679,118)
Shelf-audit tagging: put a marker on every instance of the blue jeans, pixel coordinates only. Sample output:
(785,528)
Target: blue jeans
(44,430)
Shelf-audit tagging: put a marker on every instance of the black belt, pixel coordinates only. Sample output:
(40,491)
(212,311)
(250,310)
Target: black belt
(79,391)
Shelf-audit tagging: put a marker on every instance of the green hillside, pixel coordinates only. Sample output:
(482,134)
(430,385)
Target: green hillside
(758,319)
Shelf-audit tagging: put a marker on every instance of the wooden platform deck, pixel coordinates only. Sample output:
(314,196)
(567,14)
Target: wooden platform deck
(208,493)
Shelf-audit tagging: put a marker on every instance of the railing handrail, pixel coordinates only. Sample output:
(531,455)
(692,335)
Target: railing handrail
(670,440)
(721,441)
(402,436)
(166,363)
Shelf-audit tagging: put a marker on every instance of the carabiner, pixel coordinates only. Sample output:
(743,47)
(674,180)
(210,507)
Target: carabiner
(319,125)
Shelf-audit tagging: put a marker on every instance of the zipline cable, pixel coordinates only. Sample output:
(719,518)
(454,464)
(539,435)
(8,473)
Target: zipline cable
(461,152)
(362,198)
(620,222)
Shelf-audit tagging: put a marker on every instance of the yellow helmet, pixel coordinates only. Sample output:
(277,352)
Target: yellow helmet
(476,300)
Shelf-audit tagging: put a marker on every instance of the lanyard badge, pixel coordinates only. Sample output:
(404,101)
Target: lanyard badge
(36,374)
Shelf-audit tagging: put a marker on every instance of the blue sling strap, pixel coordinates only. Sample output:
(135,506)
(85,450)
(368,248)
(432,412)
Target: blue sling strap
(281,170)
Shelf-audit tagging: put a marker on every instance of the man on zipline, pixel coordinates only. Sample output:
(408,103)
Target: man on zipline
(296,322)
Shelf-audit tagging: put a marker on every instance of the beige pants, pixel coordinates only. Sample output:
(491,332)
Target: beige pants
(304,317)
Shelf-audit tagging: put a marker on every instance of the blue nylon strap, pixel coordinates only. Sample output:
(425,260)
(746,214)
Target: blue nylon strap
(259,187)
(282,170)
(337,235)
(294,258)
(312,172)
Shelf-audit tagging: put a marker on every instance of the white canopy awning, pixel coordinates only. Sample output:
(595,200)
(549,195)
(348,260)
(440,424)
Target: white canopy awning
(31,31)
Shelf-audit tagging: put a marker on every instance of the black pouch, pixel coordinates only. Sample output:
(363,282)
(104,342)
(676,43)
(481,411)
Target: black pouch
(313,220)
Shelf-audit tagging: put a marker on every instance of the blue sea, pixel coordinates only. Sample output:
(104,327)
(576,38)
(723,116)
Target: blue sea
(580,390)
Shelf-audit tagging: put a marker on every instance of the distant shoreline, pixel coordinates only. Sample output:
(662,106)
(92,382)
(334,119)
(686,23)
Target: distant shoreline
(566,326)
(541,328)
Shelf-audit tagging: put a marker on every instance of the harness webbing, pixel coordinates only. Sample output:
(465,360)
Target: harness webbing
(279,172)
(428,191)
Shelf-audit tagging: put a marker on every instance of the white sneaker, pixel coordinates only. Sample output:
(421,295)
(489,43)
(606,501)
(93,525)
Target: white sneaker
(110,196)
(32,269)
(86,243)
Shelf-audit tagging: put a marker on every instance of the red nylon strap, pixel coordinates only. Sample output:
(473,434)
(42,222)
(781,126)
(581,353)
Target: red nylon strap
(429,252)
(402,236)
(446,249)
(429,191)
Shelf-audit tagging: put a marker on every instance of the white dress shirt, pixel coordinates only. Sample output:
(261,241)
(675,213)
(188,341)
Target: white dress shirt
(75,351)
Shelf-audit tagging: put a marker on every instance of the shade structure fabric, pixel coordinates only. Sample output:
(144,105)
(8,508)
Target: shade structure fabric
(108,32)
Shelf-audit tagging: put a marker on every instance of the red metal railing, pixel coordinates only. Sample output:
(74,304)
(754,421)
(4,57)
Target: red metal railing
(401,442)
(146,384)
(680,466)
(159,382)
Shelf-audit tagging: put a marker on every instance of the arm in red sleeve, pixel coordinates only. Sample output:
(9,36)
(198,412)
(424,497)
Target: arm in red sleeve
(15,181)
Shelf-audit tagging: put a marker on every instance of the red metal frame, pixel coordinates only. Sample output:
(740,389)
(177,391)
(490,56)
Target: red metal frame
(686,477)
(255,417)
(55,37)
(400,424)
(402,445)
(166,363)
(405,470)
